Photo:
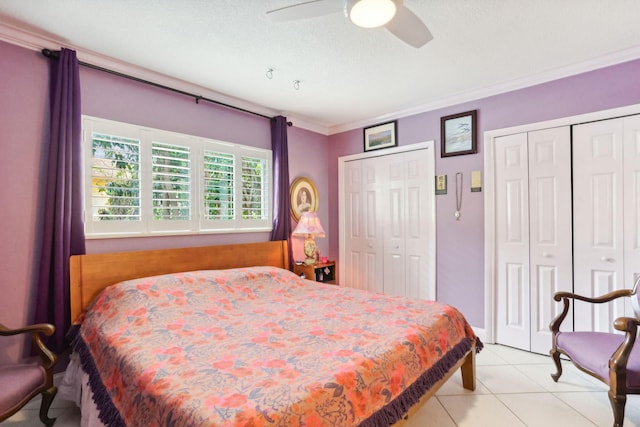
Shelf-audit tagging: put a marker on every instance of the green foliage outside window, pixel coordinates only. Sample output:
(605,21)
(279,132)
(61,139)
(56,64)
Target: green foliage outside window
(219,190)
(252,188)
(116,182)
(171,181)
(116,178)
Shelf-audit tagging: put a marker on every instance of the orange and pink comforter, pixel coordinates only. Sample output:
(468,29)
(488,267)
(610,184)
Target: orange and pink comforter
(261,347)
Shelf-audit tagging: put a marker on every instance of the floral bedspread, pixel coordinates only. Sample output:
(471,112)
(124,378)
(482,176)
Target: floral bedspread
(261,347)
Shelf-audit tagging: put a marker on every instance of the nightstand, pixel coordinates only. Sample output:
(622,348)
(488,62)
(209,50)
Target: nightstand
(320,272)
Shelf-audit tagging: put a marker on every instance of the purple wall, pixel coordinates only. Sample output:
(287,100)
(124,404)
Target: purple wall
(23,120)
(461,243)
(308,157)
(115,98)
(23,104)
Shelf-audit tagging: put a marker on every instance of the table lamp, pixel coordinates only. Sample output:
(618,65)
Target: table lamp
(309,226)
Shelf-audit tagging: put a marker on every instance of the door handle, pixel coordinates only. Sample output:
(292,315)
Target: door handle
(607,259)
(547,255)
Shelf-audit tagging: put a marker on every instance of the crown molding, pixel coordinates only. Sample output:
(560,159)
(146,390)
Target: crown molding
(303,123)
(608,60)
(35,41)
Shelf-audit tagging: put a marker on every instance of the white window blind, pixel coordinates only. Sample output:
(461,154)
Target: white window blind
(254,192)
(145,182)
(171,182)
(115,178)
(219,188)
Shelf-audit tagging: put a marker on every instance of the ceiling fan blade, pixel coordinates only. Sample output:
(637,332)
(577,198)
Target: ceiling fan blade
(308,9)
(409,28)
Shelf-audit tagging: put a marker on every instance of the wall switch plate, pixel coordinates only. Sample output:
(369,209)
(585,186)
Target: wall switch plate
(476,181)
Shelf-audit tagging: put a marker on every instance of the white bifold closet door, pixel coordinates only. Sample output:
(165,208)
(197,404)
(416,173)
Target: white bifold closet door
(606,188)
(389,224)
(408,203)
(363,235)
(533,234)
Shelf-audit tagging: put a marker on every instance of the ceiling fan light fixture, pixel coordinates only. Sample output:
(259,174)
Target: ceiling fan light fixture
(371,13)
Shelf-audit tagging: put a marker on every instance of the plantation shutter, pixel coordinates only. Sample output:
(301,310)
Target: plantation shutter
(141,182)
(219,189)
(171,182)
(254,189)
(113,182)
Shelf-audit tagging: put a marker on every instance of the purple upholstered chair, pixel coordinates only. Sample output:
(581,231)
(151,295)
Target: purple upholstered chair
(20,382)
(611,358)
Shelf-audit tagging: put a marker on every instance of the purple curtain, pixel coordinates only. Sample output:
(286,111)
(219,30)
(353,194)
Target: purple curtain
(63,228)
(281,202)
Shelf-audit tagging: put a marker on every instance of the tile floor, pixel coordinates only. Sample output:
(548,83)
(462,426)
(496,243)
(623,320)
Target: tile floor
(513,388)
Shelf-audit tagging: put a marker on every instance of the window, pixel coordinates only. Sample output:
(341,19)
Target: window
(115,178)
(171,181)
(141,181)
(219,182)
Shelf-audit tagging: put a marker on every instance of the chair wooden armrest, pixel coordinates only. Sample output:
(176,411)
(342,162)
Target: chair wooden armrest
(566,297)
(604,355)
(600,299)
(43,328)
(26,380)
(628,325)
(48,358)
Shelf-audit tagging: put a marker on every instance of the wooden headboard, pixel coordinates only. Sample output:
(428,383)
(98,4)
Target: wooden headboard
(92,273)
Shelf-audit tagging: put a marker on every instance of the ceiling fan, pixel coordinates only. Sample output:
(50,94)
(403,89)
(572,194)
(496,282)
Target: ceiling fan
(392,14)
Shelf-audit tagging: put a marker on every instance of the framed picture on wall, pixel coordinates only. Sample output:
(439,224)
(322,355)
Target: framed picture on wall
(304,197)
(458,134)
(380,136)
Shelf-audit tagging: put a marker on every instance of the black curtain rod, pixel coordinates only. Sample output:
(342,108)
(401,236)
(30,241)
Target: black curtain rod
(56,55)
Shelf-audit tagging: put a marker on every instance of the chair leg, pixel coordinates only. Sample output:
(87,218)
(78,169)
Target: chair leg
(556,359)
(617,404)
(47,399)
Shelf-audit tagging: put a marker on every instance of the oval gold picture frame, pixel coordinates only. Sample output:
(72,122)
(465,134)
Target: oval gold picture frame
(304,197)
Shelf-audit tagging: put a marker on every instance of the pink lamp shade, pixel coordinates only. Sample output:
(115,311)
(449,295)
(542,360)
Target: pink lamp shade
(309,224)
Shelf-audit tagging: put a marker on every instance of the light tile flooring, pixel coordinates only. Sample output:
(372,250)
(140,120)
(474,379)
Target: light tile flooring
(513,388)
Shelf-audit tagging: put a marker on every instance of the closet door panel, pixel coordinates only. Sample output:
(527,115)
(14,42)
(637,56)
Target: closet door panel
(601,316)
(354,231)
(550,237)
(631,202)
(362,229)
(419,244)
(512,241)
(388,213)
(598,219)
(517,296)
(407,240)
(392,168)
(415,241)
(544,308)
(373,225)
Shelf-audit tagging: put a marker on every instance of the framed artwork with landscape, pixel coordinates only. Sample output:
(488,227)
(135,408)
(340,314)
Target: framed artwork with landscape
(304,197)
(458,134)
(380,136)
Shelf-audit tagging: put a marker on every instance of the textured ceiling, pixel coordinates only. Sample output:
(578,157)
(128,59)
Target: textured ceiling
(348,76)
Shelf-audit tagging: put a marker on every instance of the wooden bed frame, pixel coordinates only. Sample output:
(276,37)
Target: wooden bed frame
(92,273)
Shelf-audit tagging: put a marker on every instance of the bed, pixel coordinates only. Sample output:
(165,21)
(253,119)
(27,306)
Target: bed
(226,335)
